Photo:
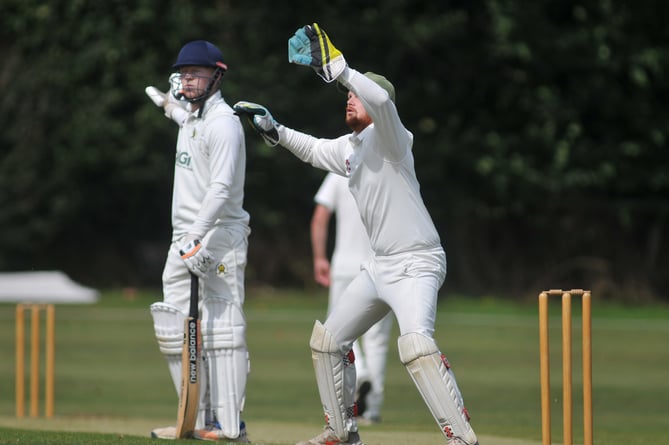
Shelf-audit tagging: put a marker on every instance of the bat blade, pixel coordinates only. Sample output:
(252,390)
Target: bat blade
(190,369)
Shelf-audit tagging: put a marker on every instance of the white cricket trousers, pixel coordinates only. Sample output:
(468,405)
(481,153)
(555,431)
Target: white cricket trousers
(370,350)
(406,284)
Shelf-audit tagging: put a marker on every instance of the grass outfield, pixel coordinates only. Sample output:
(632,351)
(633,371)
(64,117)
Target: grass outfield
(111,379)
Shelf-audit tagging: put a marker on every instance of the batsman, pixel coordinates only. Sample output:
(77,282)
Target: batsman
(210,230)
(408,265)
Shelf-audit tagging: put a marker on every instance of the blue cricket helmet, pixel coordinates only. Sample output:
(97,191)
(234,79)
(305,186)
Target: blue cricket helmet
(200,53)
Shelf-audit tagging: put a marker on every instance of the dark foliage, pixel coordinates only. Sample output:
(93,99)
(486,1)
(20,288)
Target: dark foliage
(540,134)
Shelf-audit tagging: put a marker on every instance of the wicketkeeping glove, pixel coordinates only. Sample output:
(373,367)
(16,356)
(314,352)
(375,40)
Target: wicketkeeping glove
(261,120)
(197,258)
(311,46)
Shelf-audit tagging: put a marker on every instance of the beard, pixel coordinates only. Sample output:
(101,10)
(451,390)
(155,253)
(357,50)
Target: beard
(356,123)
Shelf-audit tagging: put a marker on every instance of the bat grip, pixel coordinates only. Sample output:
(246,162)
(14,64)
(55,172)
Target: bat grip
(194,297)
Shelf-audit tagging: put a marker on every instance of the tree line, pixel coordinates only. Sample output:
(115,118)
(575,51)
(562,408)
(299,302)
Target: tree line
(540,134)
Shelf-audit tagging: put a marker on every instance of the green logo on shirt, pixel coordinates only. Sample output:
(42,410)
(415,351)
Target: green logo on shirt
(183,160)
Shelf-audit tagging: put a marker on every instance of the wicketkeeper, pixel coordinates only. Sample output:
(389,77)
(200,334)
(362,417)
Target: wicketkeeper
(209,238)
(351,249)
(409,264)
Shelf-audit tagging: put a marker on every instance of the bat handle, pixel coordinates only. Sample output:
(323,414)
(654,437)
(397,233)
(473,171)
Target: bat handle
(194,296)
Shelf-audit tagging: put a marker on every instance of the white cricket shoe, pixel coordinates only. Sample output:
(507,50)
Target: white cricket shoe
(168,432)
(328,437)
(213,432)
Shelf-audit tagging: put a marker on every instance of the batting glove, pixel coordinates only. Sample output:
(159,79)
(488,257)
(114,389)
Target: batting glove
(173,108)
(311,46)
(197,258)
(261,120)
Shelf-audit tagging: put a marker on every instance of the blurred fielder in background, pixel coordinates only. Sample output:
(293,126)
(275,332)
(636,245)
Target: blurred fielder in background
(351,250)
(210,230)
(409,264)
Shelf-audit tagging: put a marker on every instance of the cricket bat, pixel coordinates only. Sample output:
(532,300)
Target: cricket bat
(190,367)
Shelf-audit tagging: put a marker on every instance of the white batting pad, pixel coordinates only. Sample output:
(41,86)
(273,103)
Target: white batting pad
(203,408)
(168,324)
(335,375)
(435,381)
(224,346)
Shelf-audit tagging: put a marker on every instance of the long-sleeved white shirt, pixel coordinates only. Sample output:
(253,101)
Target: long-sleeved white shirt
(380,166)
(209,171)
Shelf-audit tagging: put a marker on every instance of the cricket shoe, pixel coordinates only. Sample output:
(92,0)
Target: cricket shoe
(213,432)
(168,432)
(361,399)
(328,437)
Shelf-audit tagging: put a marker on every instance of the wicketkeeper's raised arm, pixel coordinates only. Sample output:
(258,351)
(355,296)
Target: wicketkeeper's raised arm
(311,46)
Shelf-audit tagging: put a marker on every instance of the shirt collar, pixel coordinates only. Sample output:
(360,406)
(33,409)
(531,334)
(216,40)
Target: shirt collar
(357,138)
(210,102)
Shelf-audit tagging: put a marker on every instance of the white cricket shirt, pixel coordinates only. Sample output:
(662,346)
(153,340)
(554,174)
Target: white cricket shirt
(380,166)
(209,171)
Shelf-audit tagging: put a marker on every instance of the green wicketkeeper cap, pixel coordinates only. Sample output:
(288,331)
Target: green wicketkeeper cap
(379,80)
(383,83)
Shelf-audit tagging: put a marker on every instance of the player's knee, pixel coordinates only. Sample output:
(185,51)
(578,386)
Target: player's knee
(168,324)
(223,325)
(322,339)
(413,345)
